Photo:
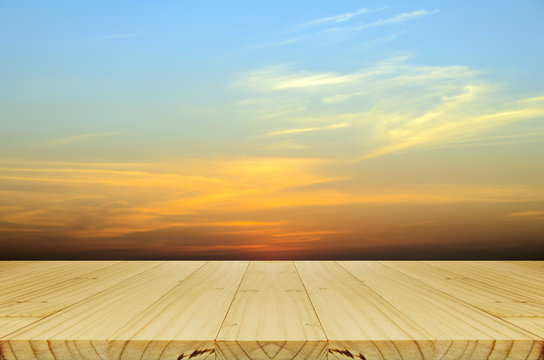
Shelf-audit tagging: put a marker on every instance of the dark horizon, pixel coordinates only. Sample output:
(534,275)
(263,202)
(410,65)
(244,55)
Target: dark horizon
(409,252)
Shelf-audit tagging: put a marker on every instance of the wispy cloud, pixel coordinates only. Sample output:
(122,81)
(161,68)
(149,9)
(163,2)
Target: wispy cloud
(397,18)
(495,140)
(198,205)
(533,99)
(304,130)
(448,122)
(292,131)
(279,78)
(223,193)
(341,17)
(343,30)
(381,22)
(396,106)
(77,138)
(276,79)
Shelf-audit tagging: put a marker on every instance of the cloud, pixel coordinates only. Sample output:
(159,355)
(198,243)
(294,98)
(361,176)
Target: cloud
(225,194)
(197,205)
(77,138)
(337,126)
(533,99)
(341,17)
(276,79)
(496,140)
(342,31)
(393,106)
(338,98)
(397,18)
(280,78)
(292,131)
(91,201)
(303,130)
(448,122)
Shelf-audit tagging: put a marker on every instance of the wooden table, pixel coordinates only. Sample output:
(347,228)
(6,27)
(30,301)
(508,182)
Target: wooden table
(176,310)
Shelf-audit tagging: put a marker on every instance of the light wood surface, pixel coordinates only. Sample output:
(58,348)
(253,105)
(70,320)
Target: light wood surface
(519,283)
(357,321)
(271,316)
(44,301)
(186,319)
(487,296)
(463,331)
(230,310)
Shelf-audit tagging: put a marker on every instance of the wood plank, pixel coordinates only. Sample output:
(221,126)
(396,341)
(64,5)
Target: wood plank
(448,319)
(525,273)
(14,273)
(358,322)
(534,325)
(81,330)
(12,324)
(504,280)
(46,301)
(484,295)
(183,323)
(271,317)
(43,276)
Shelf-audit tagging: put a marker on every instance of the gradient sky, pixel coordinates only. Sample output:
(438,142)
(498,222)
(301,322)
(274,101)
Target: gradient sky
(268,130)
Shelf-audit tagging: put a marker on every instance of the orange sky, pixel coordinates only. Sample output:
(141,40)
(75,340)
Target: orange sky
(261,208)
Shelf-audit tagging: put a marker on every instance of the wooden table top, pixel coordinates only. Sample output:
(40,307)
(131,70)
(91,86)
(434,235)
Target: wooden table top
(176,310)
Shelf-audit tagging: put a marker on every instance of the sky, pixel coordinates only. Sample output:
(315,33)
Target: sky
(271,130)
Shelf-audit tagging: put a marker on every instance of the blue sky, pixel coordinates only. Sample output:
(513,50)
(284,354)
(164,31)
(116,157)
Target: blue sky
(182,52)
(208,42)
